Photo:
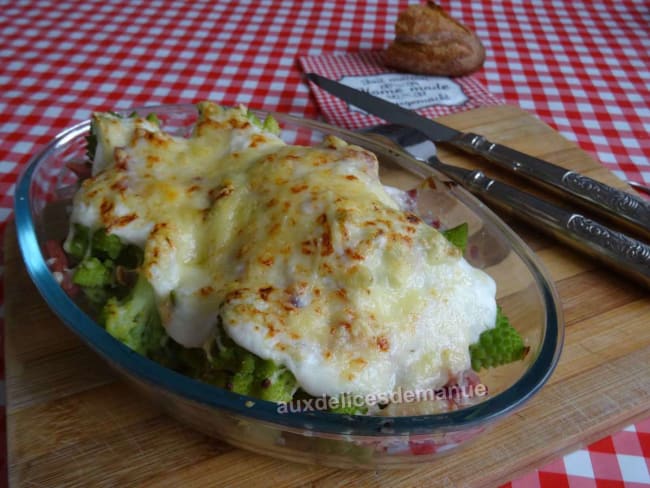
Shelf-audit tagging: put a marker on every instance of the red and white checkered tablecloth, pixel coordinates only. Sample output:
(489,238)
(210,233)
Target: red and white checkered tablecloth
(582,67)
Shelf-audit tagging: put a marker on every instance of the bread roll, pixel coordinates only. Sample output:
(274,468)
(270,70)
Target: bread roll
(428,41)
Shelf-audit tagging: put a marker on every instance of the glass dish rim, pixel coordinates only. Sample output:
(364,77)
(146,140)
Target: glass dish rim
(147,370)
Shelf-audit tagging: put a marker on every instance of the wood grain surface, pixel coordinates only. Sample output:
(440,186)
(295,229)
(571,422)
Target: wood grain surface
(71,422)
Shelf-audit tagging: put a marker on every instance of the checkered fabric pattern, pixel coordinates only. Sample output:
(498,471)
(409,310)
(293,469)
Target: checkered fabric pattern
(369,66)
(620,460)
(580,66)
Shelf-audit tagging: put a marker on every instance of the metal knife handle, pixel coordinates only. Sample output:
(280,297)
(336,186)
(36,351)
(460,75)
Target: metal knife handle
(616,249)
(615,203)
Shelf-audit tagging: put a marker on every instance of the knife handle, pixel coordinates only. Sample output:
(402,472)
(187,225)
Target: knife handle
(616,249)
(598,196)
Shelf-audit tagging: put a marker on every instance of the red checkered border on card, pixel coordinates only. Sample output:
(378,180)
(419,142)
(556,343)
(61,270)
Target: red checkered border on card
(336,67)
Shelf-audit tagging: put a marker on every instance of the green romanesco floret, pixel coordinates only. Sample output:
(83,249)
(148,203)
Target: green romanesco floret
(497,346)
(105,245)
(244,377)
(261,378)
(134,320)
(253,118)
(230,366)
(96,296)
(273,382)
(93,273)
(78,243)
(270,124)
(153,118)
(457,236)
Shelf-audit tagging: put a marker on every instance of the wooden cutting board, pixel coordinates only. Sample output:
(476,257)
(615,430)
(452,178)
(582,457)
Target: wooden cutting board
(70,421)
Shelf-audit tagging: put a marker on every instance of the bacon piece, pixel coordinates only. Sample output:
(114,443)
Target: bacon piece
(58,263)
(81,170)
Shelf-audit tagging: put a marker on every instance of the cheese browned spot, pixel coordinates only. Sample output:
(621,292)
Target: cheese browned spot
(299,252)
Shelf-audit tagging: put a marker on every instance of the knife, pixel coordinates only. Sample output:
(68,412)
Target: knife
(621,252)
(623,208)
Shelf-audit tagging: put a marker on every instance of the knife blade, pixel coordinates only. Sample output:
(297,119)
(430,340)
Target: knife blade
(623,208)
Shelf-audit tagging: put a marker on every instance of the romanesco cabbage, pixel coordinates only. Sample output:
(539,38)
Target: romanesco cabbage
(497,346)
(135,320)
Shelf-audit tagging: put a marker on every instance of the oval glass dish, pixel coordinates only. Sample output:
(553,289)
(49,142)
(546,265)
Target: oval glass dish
(524,291)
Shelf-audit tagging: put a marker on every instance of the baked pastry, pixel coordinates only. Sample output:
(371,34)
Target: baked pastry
(429,41)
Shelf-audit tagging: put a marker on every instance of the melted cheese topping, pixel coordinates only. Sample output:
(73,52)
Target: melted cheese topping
(300,252)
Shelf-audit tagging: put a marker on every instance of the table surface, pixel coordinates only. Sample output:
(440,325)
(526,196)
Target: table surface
(582,68)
